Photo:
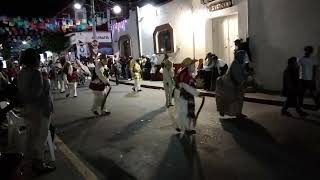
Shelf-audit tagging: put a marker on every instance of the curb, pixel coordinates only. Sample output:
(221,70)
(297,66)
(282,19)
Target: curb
(212,94)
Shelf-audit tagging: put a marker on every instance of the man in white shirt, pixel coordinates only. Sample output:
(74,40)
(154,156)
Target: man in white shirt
(306,74)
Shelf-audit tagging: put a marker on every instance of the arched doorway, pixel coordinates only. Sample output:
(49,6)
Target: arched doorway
(125,46)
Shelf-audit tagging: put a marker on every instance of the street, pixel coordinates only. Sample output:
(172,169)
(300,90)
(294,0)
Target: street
(138,140)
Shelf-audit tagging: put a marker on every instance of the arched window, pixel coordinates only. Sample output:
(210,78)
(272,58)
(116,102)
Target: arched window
(163,39)
(124,46)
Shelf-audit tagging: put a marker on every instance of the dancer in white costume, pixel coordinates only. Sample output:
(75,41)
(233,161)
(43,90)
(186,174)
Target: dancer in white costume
(184,97)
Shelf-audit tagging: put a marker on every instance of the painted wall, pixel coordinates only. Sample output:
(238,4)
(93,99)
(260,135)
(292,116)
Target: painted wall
(178,14)
(131,30)
(279,30)
(189,19)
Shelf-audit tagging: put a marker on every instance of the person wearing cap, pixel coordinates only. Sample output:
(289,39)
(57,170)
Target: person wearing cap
(135,70)
(168,82)
(185,92)
(99,81)
(230,87)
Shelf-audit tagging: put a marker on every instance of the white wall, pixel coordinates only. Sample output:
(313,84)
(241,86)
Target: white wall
(186,17)
(178,14)
(132,31)
(203,23)
(278,30)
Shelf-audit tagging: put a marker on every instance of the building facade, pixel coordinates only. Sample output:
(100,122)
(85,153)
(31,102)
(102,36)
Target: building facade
(125,41)
(192,28)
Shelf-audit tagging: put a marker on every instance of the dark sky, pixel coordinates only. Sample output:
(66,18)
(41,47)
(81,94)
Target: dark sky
(43,8)
(34,8)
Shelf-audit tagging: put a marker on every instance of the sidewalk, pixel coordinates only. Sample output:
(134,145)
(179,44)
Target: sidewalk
(260,98)
(66,168)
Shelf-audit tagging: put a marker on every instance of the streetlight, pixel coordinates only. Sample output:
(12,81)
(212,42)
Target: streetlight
(77,6)
(24,42)
(117,9)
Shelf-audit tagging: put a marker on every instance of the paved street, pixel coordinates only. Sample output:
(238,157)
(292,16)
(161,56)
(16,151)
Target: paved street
(138,141)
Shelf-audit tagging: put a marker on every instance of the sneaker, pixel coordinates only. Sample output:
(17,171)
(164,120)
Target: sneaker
(190,132)
(43,168)
(302,114)
(96,113)
(106,113)
(241,116)
(286,113)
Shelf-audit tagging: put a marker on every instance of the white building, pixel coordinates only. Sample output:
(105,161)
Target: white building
(125,37)
(277,30)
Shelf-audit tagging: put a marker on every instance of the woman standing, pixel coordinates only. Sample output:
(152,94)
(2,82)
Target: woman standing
(230,87)
(34,92)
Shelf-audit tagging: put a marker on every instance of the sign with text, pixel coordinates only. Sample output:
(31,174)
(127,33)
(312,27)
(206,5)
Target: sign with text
(214,5)
(86,37)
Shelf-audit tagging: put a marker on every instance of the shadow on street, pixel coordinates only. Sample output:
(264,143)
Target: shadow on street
(132,128)
(181,161)
(281,161)
(109,169)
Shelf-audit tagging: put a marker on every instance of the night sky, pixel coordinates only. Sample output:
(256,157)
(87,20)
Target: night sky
(45,8)
(32,8)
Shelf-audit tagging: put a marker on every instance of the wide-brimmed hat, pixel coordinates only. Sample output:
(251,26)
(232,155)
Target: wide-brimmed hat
(103,57)
(188,62)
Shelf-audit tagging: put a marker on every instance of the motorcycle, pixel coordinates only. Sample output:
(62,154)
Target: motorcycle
(10,163)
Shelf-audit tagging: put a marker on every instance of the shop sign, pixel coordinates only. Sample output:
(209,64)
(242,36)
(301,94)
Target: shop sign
(214,5)
(87,37)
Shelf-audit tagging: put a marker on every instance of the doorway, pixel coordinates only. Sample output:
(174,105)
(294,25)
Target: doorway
(124,46)
(224,32)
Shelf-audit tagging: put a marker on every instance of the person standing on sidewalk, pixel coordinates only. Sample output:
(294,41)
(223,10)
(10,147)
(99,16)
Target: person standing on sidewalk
(291,88)
(135,70)
(168,82)
(34,92)
(99,81)
(117,70)
(307,82)
(184,97)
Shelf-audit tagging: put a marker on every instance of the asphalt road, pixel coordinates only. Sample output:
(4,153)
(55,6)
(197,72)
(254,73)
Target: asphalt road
(138,140)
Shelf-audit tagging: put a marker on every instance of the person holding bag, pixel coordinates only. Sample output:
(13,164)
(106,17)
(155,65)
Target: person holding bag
(99,81)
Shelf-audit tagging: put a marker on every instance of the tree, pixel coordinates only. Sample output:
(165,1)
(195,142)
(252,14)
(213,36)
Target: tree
(54,42)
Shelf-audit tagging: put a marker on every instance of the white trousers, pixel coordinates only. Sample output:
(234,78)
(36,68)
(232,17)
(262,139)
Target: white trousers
(137,84)
(168,89)
(72,89)
(98,100)
(37,132)
(54,83)
(183,122)
(63,82)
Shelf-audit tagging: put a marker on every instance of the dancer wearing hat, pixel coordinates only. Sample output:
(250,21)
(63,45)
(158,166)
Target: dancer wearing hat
(100,79)
(184,97)
(135,70)
(168,82)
